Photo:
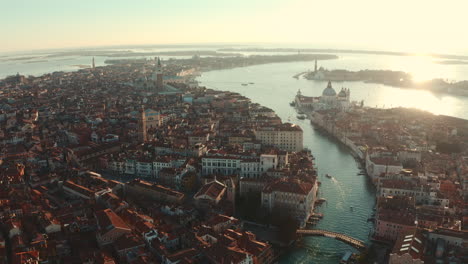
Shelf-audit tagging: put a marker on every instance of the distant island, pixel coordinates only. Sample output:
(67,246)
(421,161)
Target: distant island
(82,66)
(452,62)
(217,63)
(377,52)
(387,77)
(129,53)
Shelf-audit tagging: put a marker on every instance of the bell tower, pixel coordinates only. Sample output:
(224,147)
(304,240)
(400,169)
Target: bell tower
(159,76)
(142,126)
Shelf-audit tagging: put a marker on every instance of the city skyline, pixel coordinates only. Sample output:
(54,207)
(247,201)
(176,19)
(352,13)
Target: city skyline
(360,24)
(242,132)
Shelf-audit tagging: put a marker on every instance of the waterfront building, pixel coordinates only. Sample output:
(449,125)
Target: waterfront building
(330,99)
(376,166)
(423,194)
(395,215)
(409,248)
(290,196)
(287,136)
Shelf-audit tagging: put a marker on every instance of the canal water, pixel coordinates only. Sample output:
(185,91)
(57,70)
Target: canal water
(274,87)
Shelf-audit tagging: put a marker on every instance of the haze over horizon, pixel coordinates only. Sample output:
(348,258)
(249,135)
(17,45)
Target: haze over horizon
(415,26)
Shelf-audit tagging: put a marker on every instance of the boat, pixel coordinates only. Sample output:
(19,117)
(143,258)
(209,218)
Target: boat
(301,117)
(351,208)
(328,176)
(245,84)
(292,103)
(251,83)
(346,257)
(317,215)
(321,200)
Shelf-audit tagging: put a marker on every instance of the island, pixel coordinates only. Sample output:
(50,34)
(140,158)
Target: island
(387,77)
(217,63)
(350,51)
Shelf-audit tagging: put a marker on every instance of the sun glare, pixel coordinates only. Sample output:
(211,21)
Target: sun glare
(422,68)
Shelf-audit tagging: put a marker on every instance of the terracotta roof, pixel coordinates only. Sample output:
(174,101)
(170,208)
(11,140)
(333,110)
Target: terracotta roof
(289,186)
(213,189)
(156,187)
(108,220)
(411,242)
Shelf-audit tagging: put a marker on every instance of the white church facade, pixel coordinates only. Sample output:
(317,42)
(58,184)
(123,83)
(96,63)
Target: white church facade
(329,100)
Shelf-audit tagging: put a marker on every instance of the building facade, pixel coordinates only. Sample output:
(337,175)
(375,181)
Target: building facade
(292,197)
(288,137)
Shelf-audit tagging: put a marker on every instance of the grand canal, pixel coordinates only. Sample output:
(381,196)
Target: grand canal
(274,87)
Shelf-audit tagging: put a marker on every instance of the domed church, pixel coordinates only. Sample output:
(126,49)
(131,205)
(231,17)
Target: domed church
(329,99)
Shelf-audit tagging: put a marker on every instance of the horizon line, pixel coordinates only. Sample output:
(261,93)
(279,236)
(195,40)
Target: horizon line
(214,44)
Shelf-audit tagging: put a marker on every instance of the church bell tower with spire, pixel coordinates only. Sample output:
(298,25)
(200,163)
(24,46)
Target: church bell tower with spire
(159,76)
(142,126)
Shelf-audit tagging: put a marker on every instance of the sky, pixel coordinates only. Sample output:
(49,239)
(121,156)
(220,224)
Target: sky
(396,25)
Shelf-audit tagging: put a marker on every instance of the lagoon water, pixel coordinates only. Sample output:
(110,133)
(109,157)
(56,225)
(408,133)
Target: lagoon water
(274,87)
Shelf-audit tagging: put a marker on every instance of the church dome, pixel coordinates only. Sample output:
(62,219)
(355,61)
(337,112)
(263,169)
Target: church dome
(342,93)
(329,91)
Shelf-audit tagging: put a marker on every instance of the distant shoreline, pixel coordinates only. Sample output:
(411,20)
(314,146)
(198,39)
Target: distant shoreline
(453,62)
(397,79)
(213,63)
(351,51)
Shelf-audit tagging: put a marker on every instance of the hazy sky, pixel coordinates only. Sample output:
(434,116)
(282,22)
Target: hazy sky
(406,25)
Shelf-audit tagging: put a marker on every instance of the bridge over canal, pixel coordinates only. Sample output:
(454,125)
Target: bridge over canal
(356,243)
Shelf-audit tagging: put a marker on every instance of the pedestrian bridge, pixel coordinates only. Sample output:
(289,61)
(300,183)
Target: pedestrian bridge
(358,244)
